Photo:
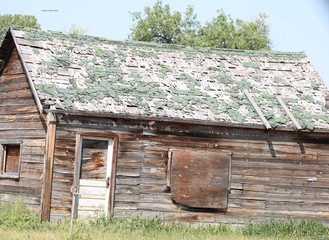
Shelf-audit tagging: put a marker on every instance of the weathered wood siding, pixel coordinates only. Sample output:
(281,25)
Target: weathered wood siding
(21,122)
(275,174)
(63,173)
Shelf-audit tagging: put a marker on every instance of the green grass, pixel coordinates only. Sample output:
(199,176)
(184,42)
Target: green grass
(17,222)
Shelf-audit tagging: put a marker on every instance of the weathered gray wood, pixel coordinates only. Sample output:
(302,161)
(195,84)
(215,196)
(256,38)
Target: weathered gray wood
(20,121)
(292,118)
(255,106)
(168,176)
(48,167)
(34,92)
(261,183)
(200,179)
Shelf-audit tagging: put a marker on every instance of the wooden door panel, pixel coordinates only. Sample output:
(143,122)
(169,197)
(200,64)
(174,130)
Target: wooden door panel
(93,159)
(94,172)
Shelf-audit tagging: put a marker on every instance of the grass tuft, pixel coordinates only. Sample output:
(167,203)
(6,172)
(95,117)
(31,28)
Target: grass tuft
(18,222)
(286,228)
(16,215)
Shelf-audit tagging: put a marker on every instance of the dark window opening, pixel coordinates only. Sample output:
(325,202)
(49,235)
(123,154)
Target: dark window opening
(10,160)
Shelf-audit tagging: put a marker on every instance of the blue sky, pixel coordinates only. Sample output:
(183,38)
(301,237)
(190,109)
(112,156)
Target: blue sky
(296,25)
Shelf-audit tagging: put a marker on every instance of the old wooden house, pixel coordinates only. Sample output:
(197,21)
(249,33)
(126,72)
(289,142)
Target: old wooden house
(89,125)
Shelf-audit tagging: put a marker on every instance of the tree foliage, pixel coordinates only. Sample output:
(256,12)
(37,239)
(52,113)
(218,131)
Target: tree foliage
(8,20)
(160,24)
(77,30)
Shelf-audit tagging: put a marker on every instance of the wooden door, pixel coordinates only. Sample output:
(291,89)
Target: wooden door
(94,174)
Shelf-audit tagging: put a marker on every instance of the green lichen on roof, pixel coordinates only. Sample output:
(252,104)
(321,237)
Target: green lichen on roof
(91,74)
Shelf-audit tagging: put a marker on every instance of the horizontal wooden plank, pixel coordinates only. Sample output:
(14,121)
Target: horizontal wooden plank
(14,84)
(29,200)
(14,66)
(31,174)
(11,77)
(25,118)
(310,181)
(309,166)
(121,180)
(90,203)
(23,134)
(92,182)
(22,93)
(280,196)
(23,190)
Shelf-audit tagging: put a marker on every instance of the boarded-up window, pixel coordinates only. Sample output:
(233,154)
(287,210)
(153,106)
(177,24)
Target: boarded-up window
(200,179)
(10,159)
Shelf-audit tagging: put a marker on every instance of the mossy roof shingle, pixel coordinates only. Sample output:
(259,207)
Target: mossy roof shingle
(96,75)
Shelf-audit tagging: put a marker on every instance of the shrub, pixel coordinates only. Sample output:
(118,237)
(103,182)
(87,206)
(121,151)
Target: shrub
(17,215)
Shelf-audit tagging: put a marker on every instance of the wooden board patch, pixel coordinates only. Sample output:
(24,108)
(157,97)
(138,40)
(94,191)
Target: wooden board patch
(200,179)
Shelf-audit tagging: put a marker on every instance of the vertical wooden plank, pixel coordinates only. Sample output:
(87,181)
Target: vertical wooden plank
(168,183)
(74,189)
(113,171)
(48,167)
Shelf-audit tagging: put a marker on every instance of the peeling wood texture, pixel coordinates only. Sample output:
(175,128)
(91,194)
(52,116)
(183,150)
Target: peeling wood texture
(266,182)
(199,179)
(93,162)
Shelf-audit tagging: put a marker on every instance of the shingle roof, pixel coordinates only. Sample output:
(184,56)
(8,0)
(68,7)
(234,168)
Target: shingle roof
(96,75)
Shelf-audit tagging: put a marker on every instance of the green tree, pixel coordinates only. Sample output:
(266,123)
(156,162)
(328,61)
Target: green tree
(224,32)
(160,24)
(8,20)
(77,30)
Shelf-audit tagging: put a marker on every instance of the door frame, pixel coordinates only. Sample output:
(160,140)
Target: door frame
(94,135)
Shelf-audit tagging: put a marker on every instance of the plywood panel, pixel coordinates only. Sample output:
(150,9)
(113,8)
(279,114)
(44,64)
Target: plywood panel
(200,179)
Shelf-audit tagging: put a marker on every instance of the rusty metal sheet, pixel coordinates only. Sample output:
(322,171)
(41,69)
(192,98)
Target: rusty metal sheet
(200,179)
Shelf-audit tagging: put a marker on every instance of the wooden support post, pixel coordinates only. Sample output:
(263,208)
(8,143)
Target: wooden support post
(292,118)
(168,182)
(48,167)
(259,112)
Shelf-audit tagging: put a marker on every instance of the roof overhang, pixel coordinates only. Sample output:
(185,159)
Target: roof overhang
(179,121)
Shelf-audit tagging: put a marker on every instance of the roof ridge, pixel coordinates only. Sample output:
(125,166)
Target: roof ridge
(265,53)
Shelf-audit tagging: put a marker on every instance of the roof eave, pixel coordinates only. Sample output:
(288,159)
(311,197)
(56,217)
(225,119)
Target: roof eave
(178,121)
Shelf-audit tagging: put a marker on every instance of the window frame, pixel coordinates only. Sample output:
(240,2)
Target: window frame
(3,155)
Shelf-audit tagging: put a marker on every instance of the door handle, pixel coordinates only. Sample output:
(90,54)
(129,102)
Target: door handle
(74,191)
(107,182)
